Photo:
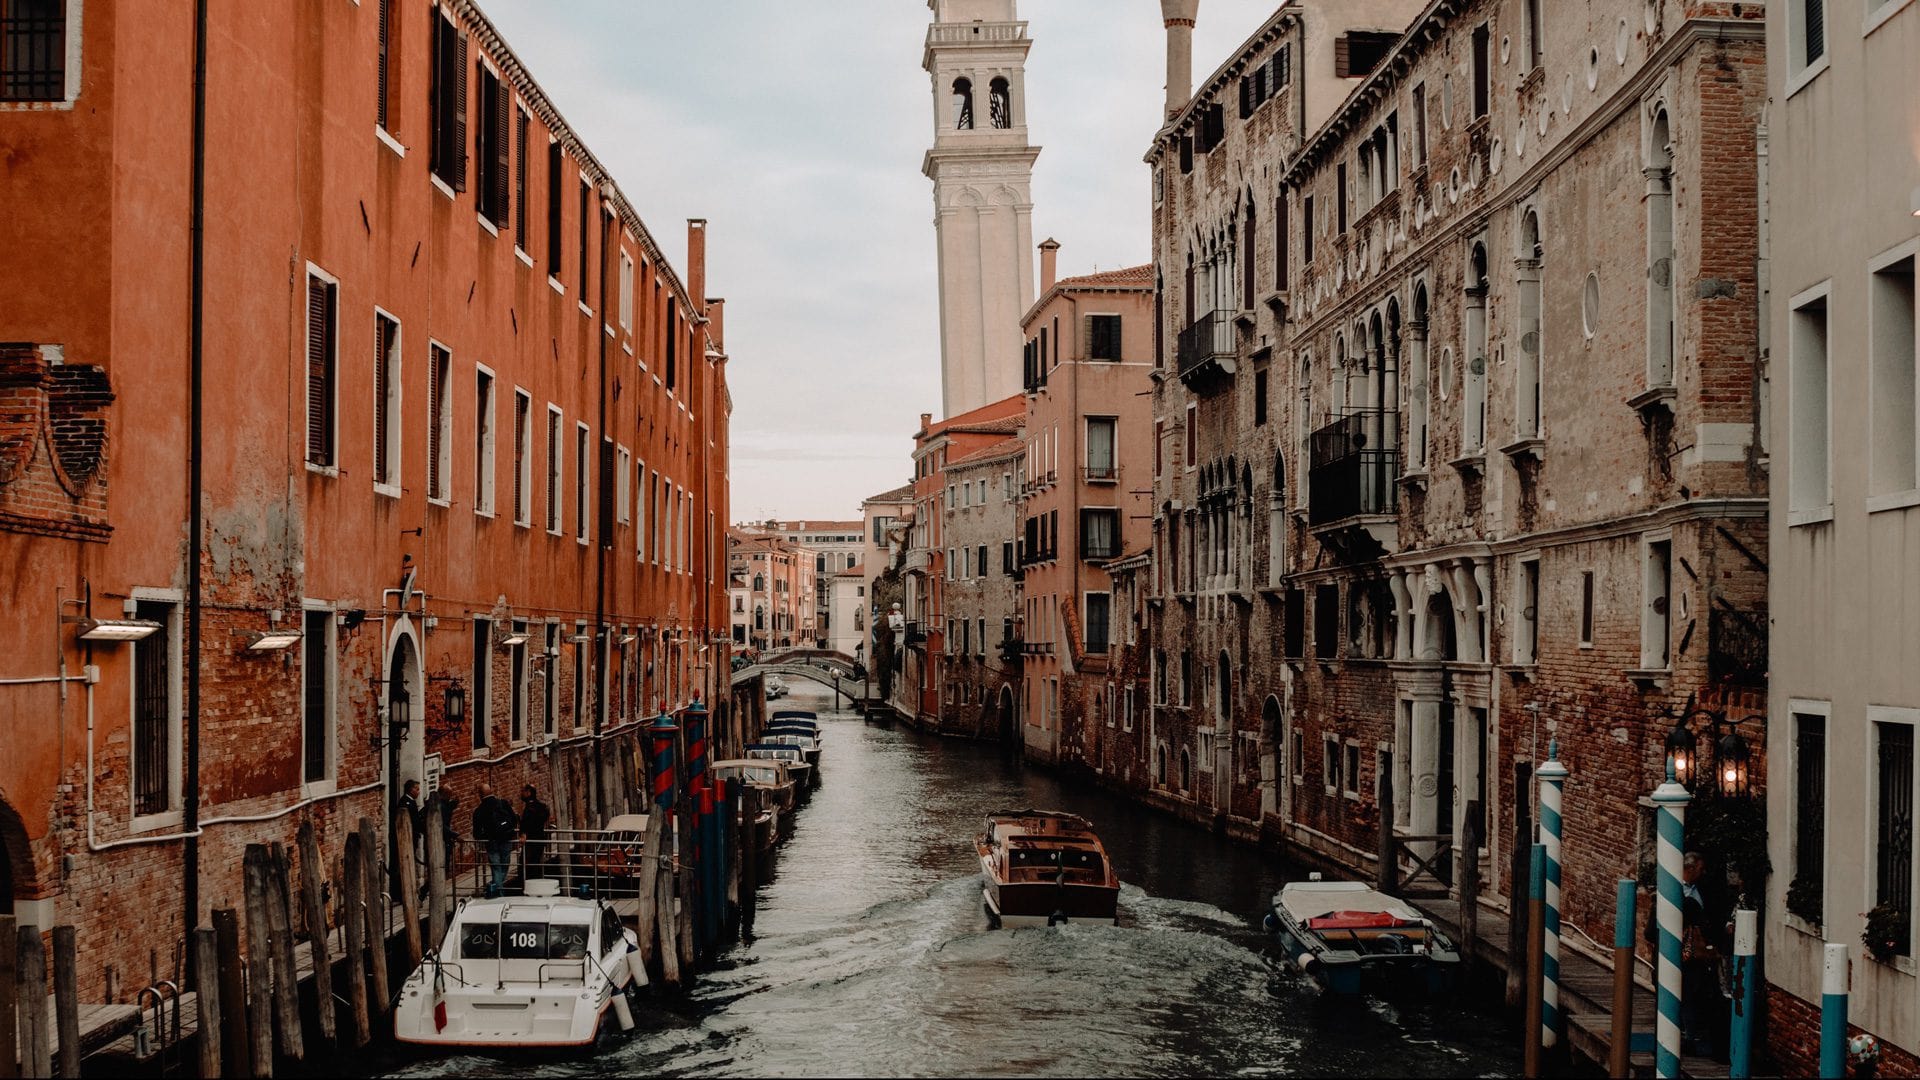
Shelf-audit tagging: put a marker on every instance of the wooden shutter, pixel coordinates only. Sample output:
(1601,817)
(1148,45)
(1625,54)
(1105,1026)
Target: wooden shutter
(319,371)
(382,373)
(386,60)
(436,403)
(437,96)
(502,150)
(457,112)
(520,182)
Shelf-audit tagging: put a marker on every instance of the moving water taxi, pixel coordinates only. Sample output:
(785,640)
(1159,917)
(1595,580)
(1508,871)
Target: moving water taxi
(539,970)
(1042,867)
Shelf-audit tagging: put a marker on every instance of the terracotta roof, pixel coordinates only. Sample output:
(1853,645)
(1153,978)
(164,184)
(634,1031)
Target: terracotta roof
(901,494)
(1006,425)
(1106,279)
(856,570)
(999,449)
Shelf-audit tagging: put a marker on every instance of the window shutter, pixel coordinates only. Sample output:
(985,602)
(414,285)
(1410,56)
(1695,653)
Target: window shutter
(1246,96)
(319,372)
(386,59)
(457,143)
(1816,30)
(502,148)
(436,374)
(1343,57)
(382,344)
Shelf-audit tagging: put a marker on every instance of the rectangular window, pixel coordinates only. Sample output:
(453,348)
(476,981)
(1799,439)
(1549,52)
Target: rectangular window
(1807,26)
(479,690)
(448,146)
(517,708)
(1280,267)
(386,400)
(1808,483)
(520,126)
(317,695)
(580,661)
(1326,621)
(1420,126)
(1260,398)
(439,420)
(1099,533)
(386,112)
(1656,620)
(550,678)
(1482,38)
(556,424)
(582,439)
(980,560)
(1101,444)
(1530,13)
(585,280)
(1193,437)
(1350,776)
(626,292)
(1330,763)
(323,327)
(1099,618)
(491,149)
(1526,637)
(622,497)
(980,638)
(673,342)
(33,50)
(654,512)
(1306,230)
(554,157)
(1103,337)
(1340,198)
(156,711)
(483,442)
(1586,608)
(605,488)
(1893,827)
(1294,637)
(522,458)
(1890,325)
(1806,893)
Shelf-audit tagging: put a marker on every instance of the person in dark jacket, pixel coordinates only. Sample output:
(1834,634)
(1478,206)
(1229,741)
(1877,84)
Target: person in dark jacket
(535,819)
(495,826)
(409,804)
(1706,939)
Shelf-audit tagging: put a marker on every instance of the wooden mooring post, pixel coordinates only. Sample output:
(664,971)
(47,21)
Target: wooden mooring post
(66,1000)
(9,999)
(439,898)
(1519,869)
(1386,870)
(376,909)
(206,990)
(234,1037)
(408,883)
(286,978)
(259,960)
(1469,879)
(36,1057)
(311,872)
(353,902)
(646,920)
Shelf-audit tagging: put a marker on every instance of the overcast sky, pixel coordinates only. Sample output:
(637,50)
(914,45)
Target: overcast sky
(796,127)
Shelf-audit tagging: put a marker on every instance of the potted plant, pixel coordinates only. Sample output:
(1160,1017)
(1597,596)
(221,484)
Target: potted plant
(1887,932)
(1804,899)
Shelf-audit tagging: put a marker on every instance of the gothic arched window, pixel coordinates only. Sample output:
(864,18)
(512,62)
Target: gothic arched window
(759,583)
(963,104)
(1000,104)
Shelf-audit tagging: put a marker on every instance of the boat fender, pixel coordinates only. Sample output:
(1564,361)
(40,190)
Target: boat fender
(623,1011)
(1269,923)
(1058,918)
(1307,961)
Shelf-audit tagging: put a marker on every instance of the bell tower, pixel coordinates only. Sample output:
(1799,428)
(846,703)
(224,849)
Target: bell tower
(982,171)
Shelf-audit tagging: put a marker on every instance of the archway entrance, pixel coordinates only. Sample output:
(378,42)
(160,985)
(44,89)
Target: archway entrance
(1272,738)
(404,703)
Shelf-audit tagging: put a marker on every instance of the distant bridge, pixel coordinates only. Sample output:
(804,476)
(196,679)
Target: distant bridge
(831,677)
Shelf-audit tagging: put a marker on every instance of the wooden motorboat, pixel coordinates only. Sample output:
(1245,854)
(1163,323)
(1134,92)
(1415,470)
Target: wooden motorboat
(767,775)
(1349,937)
(808,744)
(540,970)
(1042,867)
(798,767)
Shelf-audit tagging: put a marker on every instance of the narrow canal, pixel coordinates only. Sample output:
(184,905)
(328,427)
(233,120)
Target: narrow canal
(870,954)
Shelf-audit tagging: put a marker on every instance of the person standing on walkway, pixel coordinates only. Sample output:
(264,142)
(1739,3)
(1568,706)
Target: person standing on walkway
(409,804)
(495,826)
(534,821)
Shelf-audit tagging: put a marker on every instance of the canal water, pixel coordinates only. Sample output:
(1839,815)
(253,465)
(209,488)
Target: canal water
(870,955)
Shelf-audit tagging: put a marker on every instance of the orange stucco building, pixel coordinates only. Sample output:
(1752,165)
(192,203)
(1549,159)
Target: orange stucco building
(457,430)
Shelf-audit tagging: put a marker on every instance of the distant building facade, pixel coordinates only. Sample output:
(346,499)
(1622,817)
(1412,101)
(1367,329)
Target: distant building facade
(981,589)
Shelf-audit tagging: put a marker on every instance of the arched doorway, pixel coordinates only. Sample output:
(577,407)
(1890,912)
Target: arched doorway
(1272,746)
(403,704)
(1009,728)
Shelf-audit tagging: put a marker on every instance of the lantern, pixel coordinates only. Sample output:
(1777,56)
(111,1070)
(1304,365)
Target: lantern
(456,705)
(1734,759)
(1681,752)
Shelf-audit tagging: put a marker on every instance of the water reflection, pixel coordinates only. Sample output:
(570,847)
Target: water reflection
(871,954)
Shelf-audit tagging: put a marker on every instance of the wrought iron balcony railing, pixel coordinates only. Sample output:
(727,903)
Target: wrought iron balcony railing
(1352,466)
(1206,349)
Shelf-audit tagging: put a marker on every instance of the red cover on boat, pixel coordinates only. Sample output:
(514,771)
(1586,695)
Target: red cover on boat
(1352,920)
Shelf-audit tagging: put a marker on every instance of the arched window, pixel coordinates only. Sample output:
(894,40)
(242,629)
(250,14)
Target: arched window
(1528,375)
(759,583)
(1160,765)
(1186,771)
(1420,378)
(1224,689)
(963,104)
(1247,234)
(759,617)
(1473,414)
(1277,523)
(1000,104)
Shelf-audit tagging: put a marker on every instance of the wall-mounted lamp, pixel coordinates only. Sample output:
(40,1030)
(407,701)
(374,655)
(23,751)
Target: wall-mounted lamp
(513,640)
(114,630)
(351,620)
(456,705)
(627,639)
(260,641)
(399,719)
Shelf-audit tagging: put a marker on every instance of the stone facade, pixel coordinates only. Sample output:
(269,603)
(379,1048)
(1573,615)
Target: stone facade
(1443,477)
(982,680)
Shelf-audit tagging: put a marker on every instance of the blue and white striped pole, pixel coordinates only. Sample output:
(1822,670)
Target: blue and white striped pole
(1834,970)
(1671,801)
(1746,949)
(1553,778)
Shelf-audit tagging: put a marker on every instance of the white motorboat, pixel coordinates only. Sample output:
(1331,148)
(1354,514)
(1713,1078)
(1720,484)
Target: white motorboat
(540,970)
(1346,936)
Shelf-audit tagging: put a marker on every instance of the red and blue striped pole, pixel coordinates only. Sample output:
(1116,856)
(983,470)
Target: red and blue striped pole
(700,787)
(663,730)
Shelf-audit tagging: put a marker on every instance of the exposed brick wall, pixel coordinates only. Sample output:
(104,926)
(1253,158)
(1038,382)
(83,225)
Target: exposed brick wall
(53,443)
(1793,1039)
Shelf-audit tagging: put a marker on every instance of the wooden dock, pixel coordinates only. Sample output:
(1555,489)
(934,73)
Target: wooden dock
(1586,993)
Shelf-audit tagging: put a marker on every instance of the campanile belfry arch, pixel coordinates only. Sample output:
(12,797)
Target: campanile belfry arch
(982,171)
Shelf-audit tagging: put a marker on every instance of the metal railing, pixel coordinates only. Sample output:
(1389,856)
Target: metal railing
(1210,337)
(1352,466)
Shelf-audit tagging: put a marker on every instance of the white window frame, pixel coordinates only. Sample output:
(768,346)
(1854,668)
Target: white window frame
(1799,71)
(1800,511)
(549,679)
(1648,660)
(172,816)
(390,484)
(556,470)
(1589,607)
(641,510)
(444,423)
(622,497)
(582,479)
(333,469)
(1086,620)
(1879,499)
(1797,707)
(1330,779)
(1526,628)
(1876,716)
(626,292)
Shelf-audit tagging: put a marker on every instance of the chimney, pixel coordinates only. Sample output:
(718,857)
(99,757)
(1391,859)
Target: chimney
(1049,263)
(1179,15)
(697,261)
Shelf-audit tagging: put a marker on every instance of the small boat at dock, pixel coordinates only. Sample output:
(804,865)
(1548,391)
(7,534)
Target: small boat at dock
(1042,867)
(1349,937)
(803,773)
(765,774)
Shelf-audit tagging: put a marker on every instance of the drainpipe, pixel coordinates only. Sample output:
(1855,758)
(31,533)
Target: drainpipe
(190,809)
(600,644)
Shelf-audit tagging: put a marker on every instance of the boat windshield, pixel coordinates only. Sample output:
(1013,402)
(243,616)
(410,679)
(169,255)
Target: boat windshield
(522,939)
(1085,859)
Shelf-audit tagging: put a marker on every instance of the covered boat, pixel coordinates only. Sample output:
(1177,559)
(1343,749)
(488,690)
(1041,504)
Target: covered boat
(796,761)
(1348,936)
(763,773)
(540,970)
(1041,867)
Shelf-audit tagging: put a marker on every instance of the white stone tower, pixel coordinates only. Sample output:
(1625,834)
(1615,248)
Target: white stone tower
(982,173)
